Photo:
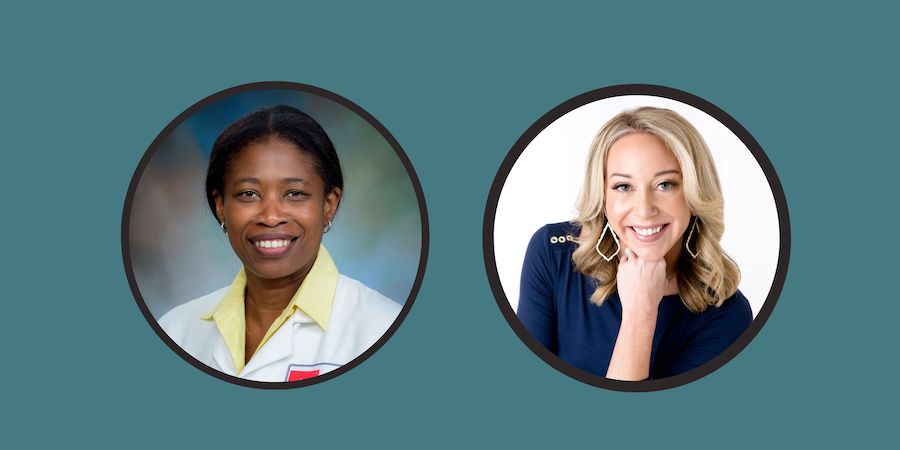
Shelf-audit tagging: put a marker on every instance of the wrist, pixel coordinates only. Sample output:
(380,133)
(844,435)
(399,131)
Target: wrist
(639,315)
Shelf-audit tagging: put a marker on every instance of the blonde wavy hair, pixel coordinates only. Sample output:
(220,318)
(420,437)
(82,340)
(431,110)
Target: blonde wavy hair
(706,280)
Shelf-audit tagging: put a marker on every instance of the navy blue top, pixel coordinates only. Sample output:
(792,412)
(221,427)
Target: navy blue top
(555,306)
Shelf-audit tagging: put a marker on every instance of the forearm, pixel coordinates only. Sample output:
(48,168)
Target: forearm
(631,355)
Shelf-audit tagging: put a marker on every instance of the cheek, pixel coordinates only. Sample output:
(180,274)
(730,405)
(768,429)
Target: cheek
(681,215)
(614,211)
(310,216)
(680,209)
(311,211)
(236,214)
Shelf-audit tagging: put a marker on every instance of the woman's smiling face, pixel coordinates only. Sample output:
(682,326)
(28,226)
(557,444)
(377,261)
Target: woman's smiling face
(645,202)
(275,208)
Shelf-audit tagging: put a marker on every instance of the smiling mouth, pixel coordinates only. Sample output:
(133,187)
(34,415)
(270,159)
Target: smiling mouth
(273,247)
(274,243)
(648,234)
(647,231)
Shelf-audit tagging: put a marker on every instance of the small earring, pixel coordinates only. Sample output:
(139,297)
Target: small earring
(687,241)
(224,230)
(327,227)
(615,238)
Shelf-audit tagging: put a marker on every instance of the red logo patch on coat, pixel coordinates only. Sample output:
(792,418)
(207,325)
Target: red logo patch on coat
(297,375)
(298,372)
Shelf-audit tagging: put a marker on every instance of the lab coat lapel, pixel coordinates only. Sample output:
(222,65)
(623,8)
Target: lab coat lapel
(279,347)
(222,357)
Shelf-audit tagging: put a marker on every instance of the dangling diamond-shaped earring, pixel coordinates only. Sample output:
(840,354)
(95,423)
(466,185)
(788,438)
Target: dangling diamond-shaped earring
(687,241)
(615,238)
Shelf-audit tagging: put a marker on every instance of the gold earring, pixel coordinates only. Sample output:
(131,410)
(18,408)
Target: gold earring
(687,241)
(615,238)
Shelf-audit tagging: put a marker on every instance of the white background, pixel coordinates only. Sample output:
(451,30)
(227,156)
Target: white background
(544,183)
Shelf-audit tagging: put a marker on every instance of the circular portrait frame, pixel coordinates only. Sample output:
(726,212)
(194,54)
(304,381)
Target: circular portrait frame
(501,284)
(363,127)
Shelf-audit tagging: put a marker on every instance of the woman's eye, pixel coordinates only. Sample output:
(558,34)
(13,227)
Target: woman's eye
(622,187)
(247,195)
(296,195)
(666,186)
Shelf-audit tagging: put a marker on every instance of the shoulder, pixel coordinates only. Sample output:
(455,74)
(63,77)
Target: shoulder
(735,312)
(183,317)
(562,231)
(555,237)
(356,303)
(548,255)
(738,304)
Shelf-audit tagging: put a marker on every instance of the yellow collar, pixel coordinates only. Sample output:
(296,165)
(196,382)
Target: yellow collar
(314,298)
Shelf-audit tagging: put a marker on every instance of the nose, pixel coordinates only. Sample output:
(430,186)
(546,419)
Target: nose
(271,213)
(645,206)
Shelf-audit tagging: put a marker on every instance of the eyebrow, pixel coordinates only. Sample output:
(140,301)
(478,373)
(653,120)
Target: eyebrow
(254,180)
(654,175)
(251,180)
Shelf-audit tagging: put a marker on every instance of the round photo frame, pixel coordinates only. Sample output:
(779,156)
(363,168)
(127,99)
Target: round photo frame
(501,239)
(166,175)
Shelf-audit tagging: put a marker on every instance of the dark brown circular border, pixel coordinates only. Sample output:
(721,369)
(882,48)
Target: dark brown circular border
(761,159)
(290,86)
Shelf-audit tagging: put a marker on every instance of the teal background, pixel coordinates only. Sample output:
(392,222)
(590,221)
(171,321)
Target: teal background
(86,88)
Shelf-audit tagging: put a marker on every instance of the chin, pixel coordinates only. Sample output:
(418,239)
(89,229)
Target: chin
(652,255)
(649,254)
(272,271)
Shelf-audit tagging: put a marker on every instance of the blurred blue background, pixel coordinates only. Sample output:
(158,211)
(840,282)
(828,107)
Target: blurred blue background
(178,252)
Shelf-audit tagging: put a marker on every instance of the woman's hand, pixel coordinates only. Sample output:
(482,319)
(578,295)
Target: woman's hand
(641,285)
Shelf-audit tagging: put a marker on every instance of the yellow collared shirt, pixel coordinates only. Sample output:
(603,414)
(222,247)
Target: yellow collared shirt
(314,297)
(331,320)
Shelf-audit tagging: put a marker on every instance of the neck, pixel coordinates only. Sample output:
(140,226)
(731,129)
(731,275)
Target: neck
(268,298)
(673,255)
(671,286)
(672,258)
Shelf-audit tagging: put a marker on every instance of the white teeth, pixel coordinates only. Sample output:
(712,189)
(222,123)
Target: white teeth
(647,231)
(278,243)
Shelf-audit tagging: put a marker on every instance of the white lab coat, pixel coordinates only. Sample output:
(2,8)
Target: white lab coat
(300,348)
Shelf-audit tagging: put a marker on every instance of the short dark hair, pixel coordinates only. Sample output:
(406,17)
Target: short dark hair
(280,121)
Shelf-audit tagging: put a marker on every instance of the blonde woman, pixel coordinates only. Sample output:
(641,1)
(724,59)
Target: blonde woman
(637,286)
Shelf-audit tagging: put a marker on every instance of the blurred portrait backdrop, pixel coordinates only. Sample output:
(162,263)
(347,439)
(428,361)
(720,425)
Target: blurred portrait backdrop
(177,250)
